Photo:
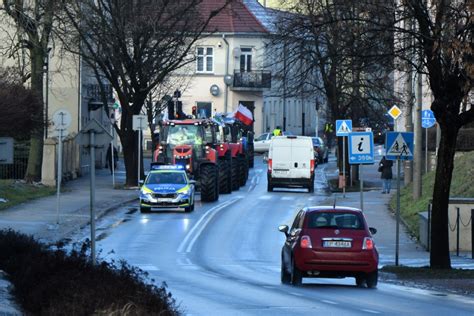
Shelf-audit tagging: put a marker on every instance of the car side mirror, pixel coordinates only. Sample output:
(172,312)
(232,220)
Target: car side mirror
(283,229)
(372,230)
(141,182)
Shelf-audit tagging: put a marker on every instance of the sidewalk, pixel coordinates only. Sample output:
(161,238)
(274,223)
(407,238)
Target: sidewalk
(378,214)
(39,217)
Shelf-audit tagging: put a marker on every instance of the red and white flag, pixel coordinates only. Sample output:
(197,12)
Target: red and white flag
(244,115)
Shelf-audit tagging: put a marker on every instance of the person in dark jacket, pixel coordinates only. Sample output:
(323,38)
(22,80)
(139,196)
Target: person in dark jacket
(108,158)
(385,168)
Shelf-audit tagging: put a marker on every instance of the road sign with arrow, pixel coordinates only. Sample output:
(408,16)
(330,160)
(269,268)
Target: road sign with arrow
(361,148)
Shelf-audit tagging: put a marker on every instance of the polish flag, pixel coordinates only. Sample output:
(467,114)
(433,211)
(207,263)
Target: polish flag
(244,115)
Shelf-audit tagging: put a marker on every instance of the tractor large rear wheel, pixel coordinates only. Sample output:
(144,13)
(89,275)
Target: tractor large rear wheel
(209,183)
(225,185)
(244,170)
(235,168)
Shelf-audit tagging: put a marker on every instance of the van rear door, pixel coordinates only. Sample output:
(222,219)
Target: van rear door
(301,155)
(281,157)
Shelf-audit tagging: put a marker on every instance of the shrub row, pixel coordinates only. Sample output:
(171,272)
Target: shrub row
(61,282)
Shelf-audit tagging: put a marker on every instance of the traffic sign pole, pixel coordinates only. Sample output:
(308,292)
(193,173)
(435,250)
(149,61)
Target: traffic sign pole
(59,175)
(344,166)
(397,242)
(92,192)
(361,188)
(426,151)
(139,145)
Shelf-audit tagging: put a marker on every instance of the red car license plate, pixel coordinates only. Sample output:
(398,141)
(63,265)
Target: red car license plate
(337,244)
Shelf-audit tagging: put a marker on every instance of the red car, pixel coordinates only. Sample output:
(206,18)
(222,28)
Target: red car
(329,242)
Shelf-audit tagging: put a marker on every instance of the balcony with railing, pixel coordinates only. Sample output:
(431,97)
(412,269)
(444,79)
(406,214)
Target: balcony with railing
(255,80)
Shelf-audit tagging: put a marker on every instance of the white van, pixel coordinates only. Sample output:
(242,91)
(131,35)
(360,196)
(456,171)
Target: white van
(291,162)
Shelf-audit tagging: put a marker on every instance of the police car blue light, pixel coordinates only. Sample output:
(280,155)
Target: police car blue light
(167,167)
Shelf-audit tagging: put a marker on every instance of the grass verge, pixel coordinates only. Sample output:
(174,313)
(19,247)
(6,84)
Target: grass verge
(461,186)
(410,273)
(60,282)
(16,192)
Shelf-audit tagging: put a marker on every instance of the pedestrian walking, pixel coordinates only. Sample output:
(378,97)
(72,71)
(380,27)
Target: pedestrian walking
(385,167)
(108,158)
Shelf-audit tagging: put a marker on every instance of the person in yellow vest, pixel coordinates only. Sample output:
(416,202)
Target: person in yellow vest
(329,131)
(277,131)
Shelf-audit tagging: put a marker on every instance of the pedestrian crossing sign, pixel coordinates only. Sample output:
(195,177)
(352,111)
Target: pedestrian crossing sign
(399,146)
(343,127)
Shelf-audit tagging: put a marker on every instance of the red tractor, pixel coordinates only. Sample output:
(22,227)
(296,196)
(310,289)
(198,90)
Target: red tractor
(189,142)
(238,150)
(229,160)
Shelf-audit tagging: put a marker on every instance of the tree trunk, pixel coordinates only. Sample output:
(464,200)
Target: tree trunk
(130,157)
(35,156)
(439,256)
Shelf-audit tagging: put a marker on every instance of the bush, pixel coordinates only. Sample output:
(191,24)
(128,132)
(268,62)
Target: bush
(66,283)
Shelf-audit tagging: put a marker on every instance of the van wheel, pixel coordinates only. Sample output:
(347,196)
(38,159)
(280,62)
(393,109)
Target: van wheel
(269,187)
(144,209)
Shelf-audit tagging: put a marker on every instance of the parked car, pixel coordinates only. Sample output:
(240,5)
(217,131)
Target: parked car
(261,144)
(320,149)
(329,242)
(291,162)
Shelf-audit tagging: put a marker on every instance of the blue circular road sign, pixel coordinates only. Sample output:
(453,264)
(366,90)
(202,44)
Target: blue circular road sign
(427,118)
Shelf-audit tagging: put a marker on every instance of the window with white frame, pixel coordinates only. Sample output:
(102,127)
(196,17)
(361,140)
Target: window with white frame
(205,59)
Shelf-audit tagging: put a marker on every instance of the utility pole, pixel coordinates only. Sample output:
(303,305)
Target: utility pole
(417,158)
(408,166)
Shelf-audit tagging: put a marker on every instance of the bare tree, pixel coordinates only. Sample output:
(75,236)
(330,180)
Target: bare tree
(34,20)
(135,45)
(443,37)
(330,48)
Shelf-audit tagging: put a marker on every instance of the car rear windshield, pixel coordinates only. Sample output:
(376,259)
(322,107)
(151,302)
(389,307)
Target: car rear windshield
(335,220)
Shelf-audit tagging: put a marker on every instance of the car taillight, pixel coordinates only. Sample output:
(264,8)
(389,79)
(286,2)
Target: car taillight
(311,166)
(368,243)
(305,242)
(269,165)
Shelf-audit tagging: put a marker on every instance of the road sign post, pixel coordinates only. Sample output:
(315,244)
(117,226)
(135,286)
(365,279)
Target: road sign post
(427,120)
(61,120)
(361,151)
(139,124)
(91,136)
(399,147)
(343,128)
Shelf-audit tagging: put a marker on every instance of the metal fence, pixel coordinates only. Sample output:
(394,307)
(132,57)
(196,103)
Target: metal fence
(16,170)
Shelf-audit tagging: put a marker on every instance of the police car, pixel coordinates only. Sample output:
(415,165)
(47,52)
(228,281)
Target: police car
(167,187)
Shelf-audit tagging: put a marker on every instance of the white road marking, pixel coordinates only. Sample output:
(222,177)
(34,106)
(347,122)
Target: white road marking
(329,302)
(296,294)
(265,197)
(288,198)
(370,311)
(146,267)
(198,228)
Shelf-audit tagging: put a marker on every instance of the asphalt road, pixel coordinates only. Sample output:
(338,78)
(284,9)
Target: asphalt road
(224,259)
